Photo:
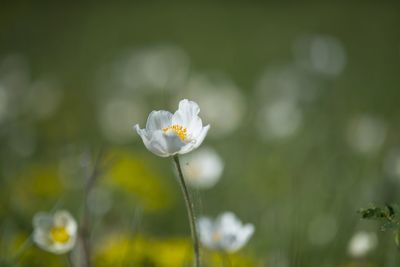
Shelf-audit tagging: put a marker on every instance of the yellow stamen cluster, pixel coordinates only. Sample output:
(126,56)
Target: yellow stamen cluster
(178,129)
(59,234)
(216,236)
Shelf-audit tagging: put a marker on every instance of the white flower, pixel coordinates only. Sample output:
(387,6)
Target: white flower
(362,243)
(203,168)
(366,134)
(168,134)
(221,99)
(226,233)
(55,233)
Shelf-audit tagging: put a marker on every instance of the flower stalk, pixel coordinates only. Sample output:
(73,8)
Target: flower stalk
(85,222)
(226,262)
(190,211)
(70,260)
(23,247)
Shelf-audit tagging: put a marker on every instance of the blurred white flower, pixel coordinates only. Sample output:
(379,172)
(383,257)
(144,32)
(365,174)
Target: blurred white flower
(280,119)
(322,54)
(221,100)
(203,168)
(322,229)
(43,97)
(168,134)
(286,83)
(392,163)
(366,134)
(55,233)
(362,243)
(226,233)
(116,116)
(152,69)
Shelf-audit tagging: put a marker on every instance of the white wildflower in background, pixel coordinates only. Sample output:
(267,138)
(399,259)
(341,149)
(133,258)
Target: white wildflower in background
(56,232)
(203,168)
(392,163)
(226,233)
(322,54)
(115,117)
(366,134)
(362,243)
(168,134)
(222,102)
(152,69)
(279,120)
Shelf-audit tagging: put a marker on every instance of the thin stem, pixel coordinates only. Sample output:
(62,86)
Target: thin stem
(190,211)
(24,246)
(226,262)
(70,260)
(85,222)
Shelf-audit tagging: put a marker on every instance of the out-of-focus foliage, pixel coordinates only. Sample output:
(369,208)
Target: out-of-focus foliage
(140,183)
(125,250)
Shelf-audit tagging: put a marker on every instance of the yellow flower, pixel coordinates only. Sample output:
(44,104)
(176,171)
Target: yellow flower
(123,249)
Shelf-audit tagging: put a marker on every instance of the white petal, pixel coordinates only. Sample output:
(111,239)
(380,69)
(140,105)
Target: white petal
(243,236)
(186,112)
(61,248)
(229,223)
(142,132)
(152,145)
(201,136)
(169,142)
(203,168)
(42,220)
(206,232)
(187,148)
(196,142)
(238,236)
(65,219)
(158,120)
(187,116)
(41,238)
(233,234)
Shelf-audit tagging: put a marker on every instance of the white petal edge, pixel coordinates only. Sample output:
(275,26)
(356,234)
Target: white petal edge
(187,111)
(158,119)
(146,138)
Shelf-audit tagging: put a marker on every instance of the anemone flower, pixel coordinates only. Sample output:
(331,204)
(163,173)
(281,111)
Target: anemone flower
(226,233)
(202,168)
(55,233)
(168,134)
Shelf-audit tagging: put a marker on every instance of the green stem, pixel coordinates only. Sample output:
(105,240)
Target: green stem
(85,225)
(70,260)
(225,259)
(27,243)
(190,211)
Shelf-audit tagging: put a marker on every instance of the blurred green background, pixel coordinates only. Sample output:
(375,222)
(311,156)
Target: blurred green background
(302,98)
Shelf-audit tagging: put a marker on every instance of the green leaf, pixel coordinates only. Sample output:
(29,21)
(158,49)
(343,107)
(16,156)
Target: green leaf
(389,216)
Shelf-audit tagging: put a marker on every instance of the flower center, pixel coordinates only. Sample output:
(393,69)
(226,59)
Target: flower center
(177,129)
(216,237)
(59,234)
